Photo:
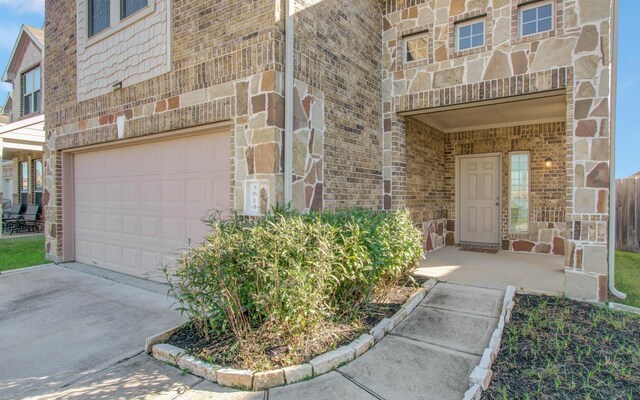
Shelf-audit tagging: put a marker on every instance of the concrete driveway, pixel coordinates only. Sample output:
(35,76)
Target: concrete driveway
(58,325)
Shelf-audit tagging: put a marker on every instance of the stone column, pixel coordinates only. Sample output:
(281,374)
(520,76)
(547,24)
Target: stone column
(588,158)
(259,128)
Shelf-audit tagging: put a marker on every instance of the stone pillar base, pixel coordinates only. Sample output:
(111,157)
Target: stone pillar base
(580,285)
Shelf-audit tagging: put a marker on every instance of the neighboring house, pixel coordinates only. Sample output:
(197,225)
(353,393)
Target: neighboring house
(489,120)
(635,176)
(6,170)
(22,138)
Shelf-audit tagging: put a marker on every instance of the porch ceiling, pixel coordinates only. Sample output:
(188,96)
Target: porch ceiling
(27,134)
(482,115)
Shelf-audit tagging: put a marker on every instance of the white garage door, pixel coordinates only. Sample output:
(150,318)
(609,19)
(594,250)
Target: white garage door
(137,206)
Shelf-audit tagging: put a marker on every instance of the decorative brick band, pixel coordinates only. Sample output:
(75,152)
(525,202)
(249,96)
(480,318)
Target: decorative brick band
(516,85)
(396,5)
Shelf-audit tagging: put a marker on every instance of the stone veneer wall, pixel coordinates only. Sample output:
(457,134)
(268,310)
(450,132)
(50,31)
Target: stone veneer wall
(223,71)
(574,57)
(547,194)
(337,54)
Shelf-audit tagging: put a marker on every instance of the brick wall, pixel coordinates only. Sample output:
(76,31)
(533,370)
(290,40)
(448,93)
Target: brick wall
(424,188)
(338,53)
(547,185)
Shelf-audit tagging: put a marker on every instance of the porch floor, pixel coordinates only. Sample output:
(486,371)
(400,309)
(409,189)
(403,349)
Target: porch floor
(523,270)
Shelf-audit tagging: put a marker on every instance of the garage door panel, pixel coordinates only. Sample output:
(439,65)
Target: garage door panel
(96,251)
(112,224)
(82,249)
(149,227)
(173,192)
(173,229)
(112,192)
(172,156)
(137,206)
(130,192)
(112,255)
(130,257)
(150,192)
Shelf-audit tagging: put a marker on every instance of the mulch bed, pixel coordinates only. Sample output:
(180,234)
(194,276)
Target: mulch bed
(223,348)
(556,348)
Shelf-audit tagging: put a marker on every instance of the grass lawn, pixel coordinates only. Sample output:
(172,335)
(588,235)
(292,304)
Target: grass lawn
(628,277)
(555,348)
(21,252)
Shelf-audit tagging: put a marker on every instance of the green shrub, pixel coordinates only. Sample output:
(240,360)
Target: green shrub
(292,270)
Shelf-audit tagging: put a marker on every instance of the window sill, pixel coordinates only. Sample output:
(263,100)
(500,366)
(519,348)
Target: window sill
(535,37)
(27,116)
(124,23)
(468,52)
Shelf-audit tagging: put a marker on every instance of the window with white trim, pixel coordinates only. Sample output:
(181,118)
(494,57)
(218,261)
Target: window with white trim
(469,34)
(535,18)
(31,91)
(129,7)
(109,14)
(99,16)
(519,192)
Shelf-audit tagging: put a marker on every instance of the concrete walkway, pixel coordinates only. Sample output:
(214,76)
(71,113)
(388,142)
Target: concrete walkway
(428,356)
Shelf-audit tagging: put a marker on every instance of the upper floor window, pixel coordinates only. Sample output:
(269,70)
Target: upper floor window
(31,92)
(469,35)
(416,47)
(128,7)
(536,18)
(99,15)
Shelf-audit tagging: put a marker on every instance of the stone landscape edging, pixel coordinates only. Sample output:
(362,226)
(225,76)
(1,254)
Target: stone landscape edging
(251,380)
(480,377)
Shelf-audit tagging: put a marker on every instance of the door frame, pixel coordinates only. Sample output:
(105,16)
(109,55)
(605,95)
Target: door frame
(67,157)
(457,191)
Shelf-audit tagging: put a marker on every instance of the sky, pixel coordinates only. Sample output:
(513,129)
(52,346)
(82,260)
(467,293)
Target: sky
(628,107)
(14,13)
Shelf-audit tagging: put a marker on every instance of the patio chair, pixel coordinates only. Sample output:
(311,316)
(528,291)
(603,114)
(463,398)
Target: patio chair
(27,222)
(10,216)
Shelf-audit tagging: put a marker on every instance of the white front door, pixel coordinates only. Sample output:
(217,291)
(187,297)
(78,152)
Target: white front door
(479,218)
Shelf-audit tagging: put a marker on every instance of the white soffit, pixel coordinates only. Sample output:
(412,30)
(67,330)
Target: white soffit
(483,116)
(28,131)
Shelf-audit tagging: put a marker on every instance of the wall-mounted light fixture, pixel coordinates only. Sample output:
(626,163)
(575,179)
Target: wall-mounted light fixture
(548,162)
(117,86)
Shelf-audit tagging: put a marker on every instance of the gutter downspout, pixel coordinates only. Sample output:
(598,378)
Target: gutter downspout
(612,163)
(288,103)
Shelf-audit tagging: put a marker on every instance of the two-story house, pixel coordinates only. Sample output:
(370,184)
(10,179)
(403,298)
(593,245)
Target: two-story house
(22,137)
(489,119)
